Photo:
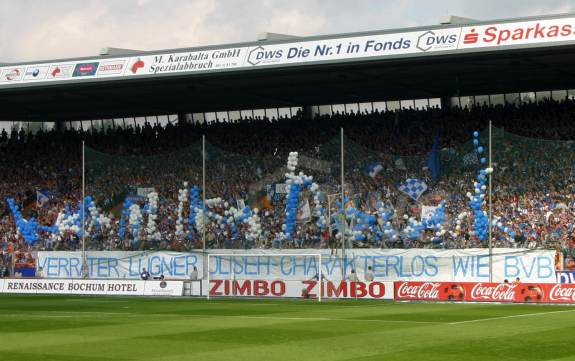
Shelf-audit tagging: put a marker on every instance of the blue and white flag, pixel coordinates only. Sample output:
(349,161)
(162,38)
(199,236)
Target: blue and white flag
(414,188)
(373,169)
(42,197)
(433,160)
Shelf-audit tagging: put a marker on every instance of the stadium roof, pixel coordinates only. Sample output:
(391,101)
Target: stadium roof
(490,57)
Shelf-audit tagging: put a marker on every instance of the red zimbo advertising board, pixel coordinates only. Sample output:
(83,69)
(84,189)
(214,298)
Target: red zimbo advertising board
(301,289)
(485,292)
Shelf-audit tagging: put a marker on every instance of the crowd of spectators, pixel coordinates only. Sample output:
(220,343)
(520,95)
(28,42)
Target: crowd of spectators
(533,188)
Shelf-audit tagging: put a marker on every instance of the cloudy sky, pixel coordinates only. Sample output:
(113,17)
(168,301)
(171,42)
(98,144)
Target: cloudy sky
(47,29)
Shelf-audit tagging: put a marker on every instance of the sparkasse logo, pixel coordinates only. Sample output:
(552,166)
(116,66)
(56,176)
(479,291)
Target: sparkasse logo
(471,37)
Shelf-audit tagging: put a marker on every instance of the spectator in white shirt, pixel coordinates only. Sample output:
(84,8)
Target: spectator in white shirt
(369,275)
(194,274)
(352,277)
(40,273)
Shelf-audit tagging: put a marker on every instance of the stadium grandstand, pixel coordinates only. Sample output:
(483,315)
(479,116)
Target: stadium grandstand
(393,102)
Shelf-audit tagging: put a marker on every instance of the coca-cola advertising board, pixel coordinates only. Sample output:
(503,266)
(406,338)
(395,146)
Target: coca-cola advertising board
(557,293)
(485,292)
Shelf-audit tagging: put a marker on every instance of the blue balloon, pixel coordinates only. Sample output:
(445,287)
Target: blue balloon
(480,150)
(476,134)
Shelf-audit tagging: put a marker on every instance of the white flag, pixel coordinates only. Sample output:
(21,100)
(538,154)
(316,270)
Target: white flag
(427,212)
(304,212)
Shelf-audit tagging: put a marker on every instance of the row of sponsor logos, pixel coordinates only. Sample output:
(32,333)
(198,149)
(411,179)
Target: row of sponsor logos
(558,30)
(63,71)
(92,287)
(485,292)
(400,291)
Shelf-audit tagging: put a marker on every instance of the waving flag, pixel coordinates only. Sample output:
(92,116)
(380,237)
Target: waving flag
(373,169)
(414,188)
(433,160)
(42,197)
(304,212)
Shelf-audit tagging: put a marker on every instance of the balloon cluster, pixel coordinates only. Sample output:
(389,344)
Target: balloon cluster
(27,228)
(135,221)
(72,222)
(213,202)
(67,222)
(152,211)
(94,219)
(210,214)
(460,217)
(385,217)
(435,222)
(254,226)
(342,218)
(105,222)
(477,200)
(362,223)
(292,202)
(504,228)
(125,216)
(295,184)
(195,202)
(318,211)
(236,215)
(182,199)
(201,220)
(414,228)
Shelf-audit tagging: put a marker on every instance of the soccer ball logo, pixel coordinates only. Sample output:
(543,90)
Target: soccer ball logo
(454,292)
(530,293)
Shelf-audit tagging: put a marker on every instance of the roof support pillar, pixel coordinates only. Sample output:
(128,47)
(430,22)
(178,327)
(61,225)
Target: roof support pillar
(182,118)
(445,102)
(59,125)
(307,111)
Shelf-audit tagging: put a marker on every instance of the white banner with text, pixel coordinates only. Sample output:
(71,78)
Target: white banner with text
(411,42)
(466,265)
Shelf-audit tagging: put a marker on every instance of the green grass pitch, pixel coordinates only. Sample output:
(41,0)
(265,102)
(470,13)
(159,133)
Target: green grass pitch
(105,329)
